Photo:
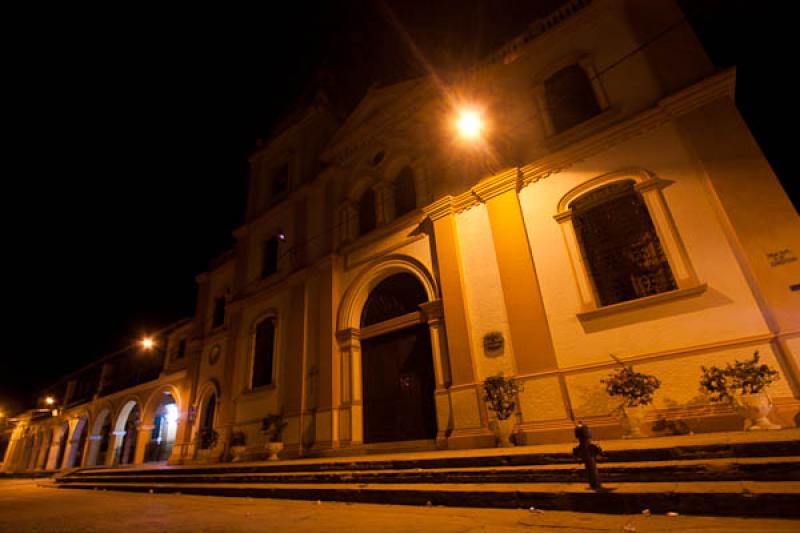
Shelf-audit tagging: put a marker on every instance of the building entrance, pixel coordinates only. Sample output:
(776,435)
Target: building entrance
(399,386)
(397,364)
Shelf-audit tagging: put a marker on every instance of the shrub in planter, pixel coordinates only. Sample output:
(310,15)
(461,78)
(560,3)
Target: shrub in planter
(500,394)
(636,390)
(272,426)
(207,438)
(743,385)
(238,445)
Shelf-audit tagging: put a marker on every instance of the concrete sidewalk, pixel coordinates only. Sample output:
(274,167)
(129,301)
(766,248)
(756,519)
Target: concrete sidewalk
(26,506)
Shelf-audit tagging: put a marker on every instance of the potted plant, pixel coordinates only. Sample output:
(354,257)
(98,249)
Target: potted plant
(238,445)
(742,385)
(206,441)
(272,426)
(636,390)
(500,394)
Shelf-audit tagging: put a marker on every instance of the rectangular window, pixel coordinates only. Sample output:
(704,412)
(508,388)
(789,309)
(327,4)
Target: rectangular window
(280,182)
(218,318)
(263,353)
(269,263)
(181,348)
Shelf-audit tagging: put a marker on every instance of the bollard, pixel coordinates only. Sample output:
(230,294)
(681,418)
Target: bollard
(587,452)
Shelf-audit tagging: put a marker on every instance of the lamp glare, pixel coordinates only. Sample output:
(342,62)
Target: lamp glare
(469,124)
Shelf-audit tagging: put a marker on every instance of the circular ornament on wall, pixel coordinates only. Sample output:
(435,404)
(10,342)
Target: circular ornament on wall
(213,354)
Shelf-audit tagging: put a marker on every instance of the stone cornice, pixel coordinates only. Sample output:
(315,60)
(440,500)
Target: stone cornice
(507,180)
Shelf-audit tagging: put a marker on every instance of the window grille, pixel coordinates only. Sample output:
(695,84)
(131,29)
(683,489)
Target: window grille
(620,245)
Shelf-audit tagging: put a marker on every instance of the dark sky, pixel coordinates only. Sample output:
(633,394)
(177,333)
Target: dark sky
(128,131)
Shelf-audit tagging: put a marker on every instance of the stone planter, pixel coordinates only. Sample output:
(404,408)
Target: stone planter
(203,455)
(238,452)
(631,420)
(274,448)
(754,408)
(503,430)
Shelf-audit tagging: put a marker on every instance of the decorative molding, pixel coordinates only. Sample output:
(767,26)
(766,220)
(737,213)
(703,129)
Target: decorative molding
(653,356)
(505,181)
(646,301)
(393,324)
(668,108)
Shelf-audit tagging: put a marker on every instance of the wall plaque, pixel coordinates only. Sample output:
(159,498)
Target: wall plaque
(781,257)
(493,343)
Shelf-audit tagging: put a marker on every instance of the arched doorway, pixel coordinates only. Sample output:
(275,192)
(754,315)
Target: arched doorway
(397,363)
(78,441)
(206,427)
(101,438)
(44,453)
(62,445)
(128,422)
(165,429)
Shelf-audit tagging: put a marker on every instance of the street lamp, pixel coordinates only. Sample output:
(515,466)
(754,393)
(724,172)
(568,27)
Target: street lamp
(49,400)
(148,343)
(469,124)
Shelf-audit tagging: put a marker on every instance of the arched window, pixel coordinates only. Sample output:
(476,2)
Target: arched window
(366,212)
(263,353)
(570,98)
(619,244)
(405,195)
(394,296)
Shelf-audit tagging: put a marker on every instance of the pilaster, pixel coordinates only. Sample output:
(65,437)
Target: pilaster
(530,334)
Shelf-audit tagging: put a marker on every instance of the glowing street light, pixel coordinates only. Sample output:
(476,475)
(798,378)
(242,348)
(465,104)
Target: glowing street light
(148,343)
(469,124)
(49,400)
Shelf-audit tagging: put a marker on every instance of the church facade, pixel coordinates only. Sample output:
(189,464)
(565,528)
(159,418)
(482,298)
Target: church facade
(614,206)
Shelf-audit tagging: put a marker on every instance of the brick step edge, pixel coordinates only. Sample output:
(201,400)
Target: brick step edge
(716,451)
(763,504)
(737,472)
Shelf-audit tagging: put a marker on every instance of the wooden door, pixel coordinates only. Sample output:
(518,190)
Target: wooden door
(399,385)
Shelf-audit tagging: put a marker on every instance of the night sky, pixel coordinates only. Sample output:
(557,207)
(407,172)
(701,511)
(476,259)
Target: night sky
(128,132)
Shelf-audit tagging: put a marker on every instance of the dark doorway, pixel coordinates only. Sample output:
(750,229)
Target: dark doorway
(62,445)
(399,386)
(128,447)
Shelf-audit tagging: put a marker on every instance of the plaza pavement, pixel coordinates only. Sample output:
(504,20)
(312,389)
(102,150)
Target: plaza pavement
(31,505)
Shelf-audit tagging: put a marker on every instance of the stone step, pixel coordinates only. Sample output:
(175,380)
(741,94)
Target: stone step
(615,452)
(754,469)
(745,498)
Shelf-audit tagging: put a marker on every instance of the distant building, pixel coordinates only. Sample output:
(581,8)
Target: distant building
(614,203)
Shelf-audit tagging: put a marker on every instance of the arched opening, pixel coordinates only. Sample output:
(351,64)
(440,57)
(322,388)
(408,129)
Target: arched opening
(62,445)
(405,194)
(205,431)
(77,444)
(570,98)
(165,429)
(36,442)
(44,454)
(101,438)
(397,364)
(128,424)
